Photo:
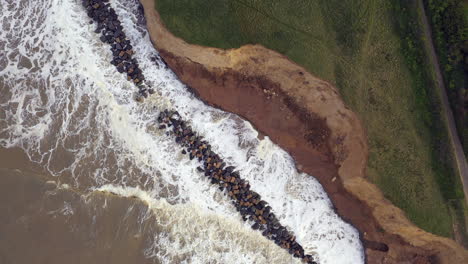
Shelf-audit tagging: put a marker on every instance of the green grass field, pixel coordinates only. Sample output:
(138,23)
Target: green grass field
(357,46)
(465,9)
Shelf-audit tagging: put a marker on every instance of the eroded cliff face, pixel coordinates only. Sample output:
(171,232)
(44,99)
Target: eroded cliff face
(305,116)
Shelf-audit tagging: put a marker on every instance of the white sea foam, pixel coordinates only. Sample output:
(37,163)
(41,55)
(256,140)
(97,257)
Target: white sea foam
(73,113)
(188,230)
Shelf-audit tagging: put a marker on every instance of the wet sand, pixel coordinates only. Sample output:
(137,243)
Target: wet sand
(306,117)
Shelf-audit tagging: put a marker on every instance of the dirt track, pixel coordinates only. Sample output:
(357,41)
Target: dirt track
(457,148)
(306,117)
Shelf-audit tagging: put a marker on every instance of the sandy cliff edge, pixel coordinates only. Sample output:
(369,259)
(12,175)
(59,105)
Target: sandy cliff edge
(306,117)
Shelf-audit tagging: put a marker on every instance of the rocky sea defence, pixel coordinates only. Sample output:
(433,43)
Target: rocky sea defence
(306,117)
(74,116)
(247,202)
(67,107)
(111,30)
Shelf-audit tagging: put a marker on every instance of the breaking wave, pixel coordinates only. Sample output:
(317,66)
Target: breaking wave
(74,114)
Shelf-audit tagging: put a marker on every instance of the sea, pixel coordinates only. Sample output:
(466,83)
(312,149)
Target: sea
(113,181)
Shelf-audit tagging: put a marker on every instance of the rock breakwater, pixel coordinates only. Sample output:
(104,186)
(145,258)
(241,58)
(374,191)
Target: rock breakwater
(273,93)
(247,202)
(111,30)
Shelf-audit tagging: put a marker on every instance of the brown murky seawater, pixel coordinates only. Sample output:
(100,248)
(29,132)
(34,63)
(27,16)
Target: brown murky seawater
(88,178)
(41,222)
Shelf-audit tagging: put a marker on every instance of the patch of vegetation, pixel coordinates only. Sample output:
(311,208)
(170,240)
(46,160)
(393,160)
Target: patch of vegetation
(365,48)
(426,94)
(449,182)
(450,35)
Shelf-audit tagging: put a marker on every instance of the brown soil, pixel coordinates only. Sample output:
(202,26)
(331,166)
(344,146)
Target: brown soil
(305,116)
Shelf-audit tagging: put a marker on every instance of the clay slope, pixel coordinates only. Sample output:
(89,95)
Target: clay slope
(306,117)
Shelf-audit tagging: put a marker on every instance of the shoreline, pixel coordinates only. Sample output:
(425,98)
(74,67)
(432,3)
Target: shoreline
(307,118)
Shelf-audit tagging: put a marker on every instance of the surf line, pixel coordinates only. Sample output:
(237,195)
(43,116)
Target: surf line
(246,201)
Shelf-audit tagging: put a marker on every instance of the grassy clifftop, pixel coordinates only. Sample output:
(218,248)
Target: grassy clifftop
(365,49)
